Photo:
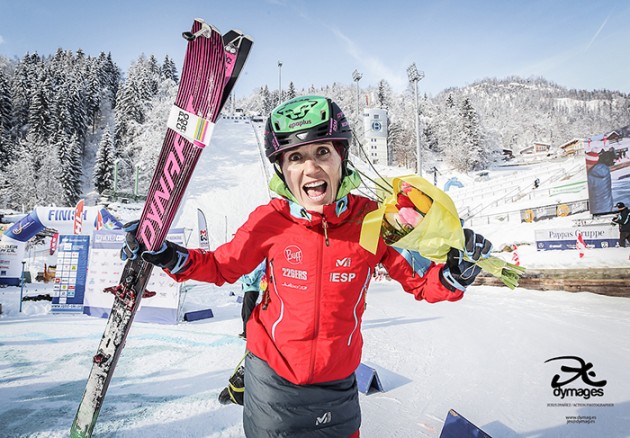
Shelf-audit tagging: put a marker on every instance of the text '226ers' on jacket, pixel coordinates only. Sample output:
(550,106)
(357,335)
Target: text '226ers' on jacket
(308,326)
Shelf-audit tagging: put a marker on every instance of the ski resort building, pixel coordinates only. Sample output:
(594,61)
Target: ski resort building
(375,140)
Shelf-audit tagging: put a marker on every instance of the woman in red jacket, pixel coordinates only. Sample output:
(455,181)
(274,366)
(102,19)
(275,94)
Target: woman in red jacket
(304,338)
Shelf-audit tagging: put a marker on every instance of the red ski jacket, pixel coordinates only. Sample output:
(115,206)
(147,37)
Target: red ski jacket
(307,327)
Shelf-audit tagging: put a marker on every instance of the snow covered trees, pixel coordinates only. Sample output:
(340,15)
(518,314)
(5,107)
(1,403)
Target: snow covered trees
(50,107)
(104,165)
(54,111)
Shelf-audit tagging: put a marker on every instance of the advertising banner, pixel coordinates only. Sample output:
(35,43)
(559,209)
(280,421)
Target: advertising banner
(105,270)
(11,256)
(61,219)
(551,211)
(72,263)
(204,242)
(595,236)
(608,170)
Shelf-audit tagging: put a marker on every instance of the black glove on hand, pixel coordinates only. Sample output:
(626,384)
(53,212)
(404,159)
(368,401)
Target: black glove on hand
(132,247)
(170,256)
(460,270)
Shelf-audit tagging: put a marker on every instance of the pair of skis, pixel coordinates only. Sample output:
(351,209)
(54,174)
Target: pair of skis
(211,67)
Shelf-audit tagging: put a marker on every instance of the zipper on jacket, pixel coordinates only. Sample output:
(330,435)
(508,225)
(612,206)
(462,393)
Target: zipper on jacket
(356,305)
(318,292)
(281,316)
(325,227)
(266,298)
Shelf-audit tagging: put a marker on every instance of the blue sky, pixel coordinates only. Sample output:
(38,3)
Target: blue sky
(575,43)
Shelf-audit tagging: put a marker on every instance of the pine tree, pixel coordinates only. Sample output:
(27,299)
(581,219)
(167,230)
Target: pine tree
(267,101)
(472,136)
(6,120)
(109,75)
(169,70)
(23,82)
(290,94)
(153,72)
(104,165)
(70,173)
(39,119)
(384,94)
(20,189)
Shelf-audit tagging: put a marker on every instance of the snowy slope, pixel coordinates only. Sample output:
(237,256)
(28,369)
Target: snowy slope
(227,185)
(484,356)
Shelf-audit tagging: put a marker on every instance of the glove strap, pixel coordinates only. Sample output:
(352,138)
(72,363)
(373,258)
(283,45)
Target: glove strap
(182,261)
(448,277)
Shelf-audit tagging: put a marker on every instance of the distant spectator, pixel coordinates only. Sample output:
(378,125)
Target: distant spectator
(536,183)
(251,290)
(623,220)
(600,183)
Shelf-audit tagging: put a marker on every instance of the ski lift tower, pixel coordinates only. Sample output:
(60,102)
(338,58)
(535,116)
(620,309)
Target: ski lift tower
(356,76)
(415,76)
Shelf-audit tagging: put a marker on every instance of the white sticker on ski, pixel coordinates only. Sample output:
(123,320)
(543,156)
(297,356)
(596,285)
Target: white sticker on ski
(193,128)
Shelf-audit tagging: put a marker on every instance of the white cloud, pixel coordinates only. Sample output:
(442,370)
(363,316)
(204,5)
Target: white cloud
(370,64)
(590,43)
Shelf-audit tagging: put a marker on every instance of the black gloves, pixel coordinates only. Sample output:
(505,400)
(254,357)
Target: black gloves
(132,246)
(460,270)
(170,256)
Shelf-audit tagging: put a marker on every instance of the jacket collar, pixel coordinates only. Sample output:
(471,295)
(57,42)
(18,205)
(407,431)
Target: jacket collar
(349,183)
(334,212)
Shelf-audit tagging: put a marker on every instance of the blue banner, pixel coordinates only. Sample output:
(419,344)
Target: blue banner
(72,263)
(24,229)
(595,236)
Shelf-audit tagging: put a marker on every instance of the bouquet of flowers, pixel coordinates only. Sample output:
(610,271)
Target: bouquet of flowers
(419,217)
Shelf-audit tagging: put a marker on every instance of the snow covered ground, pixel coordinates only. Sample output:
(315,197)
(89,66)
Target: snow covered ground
(486,356)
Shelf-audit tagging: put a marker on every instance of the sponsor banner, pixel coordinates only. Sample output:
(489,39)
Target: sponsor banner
(70,275)
(54,240)
(595,236)
(24,229)
(552,211)
(204,242)
(106,268)
(78,217)
(61,219)
(11,256)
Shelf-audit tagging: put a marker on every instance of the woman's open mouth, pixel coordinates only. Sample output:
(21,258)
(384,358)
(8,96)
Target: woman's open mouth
(315,190)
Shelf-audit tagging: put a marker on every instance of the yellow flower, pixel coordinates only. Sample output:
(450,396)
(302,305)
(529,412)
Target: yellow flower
(433,237)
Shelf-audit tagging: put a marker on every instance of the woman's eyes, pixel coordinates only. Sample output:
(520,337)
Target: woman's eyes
(323,151)
(320,152)
(295,157)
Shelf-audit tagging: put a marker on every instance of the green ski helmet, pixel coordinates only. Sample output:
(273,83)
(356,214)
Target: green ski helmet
(303,120)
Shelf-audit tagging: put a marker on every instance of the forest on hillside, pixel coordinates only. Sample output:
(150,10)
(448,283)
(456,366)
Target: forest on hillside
(72,124)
